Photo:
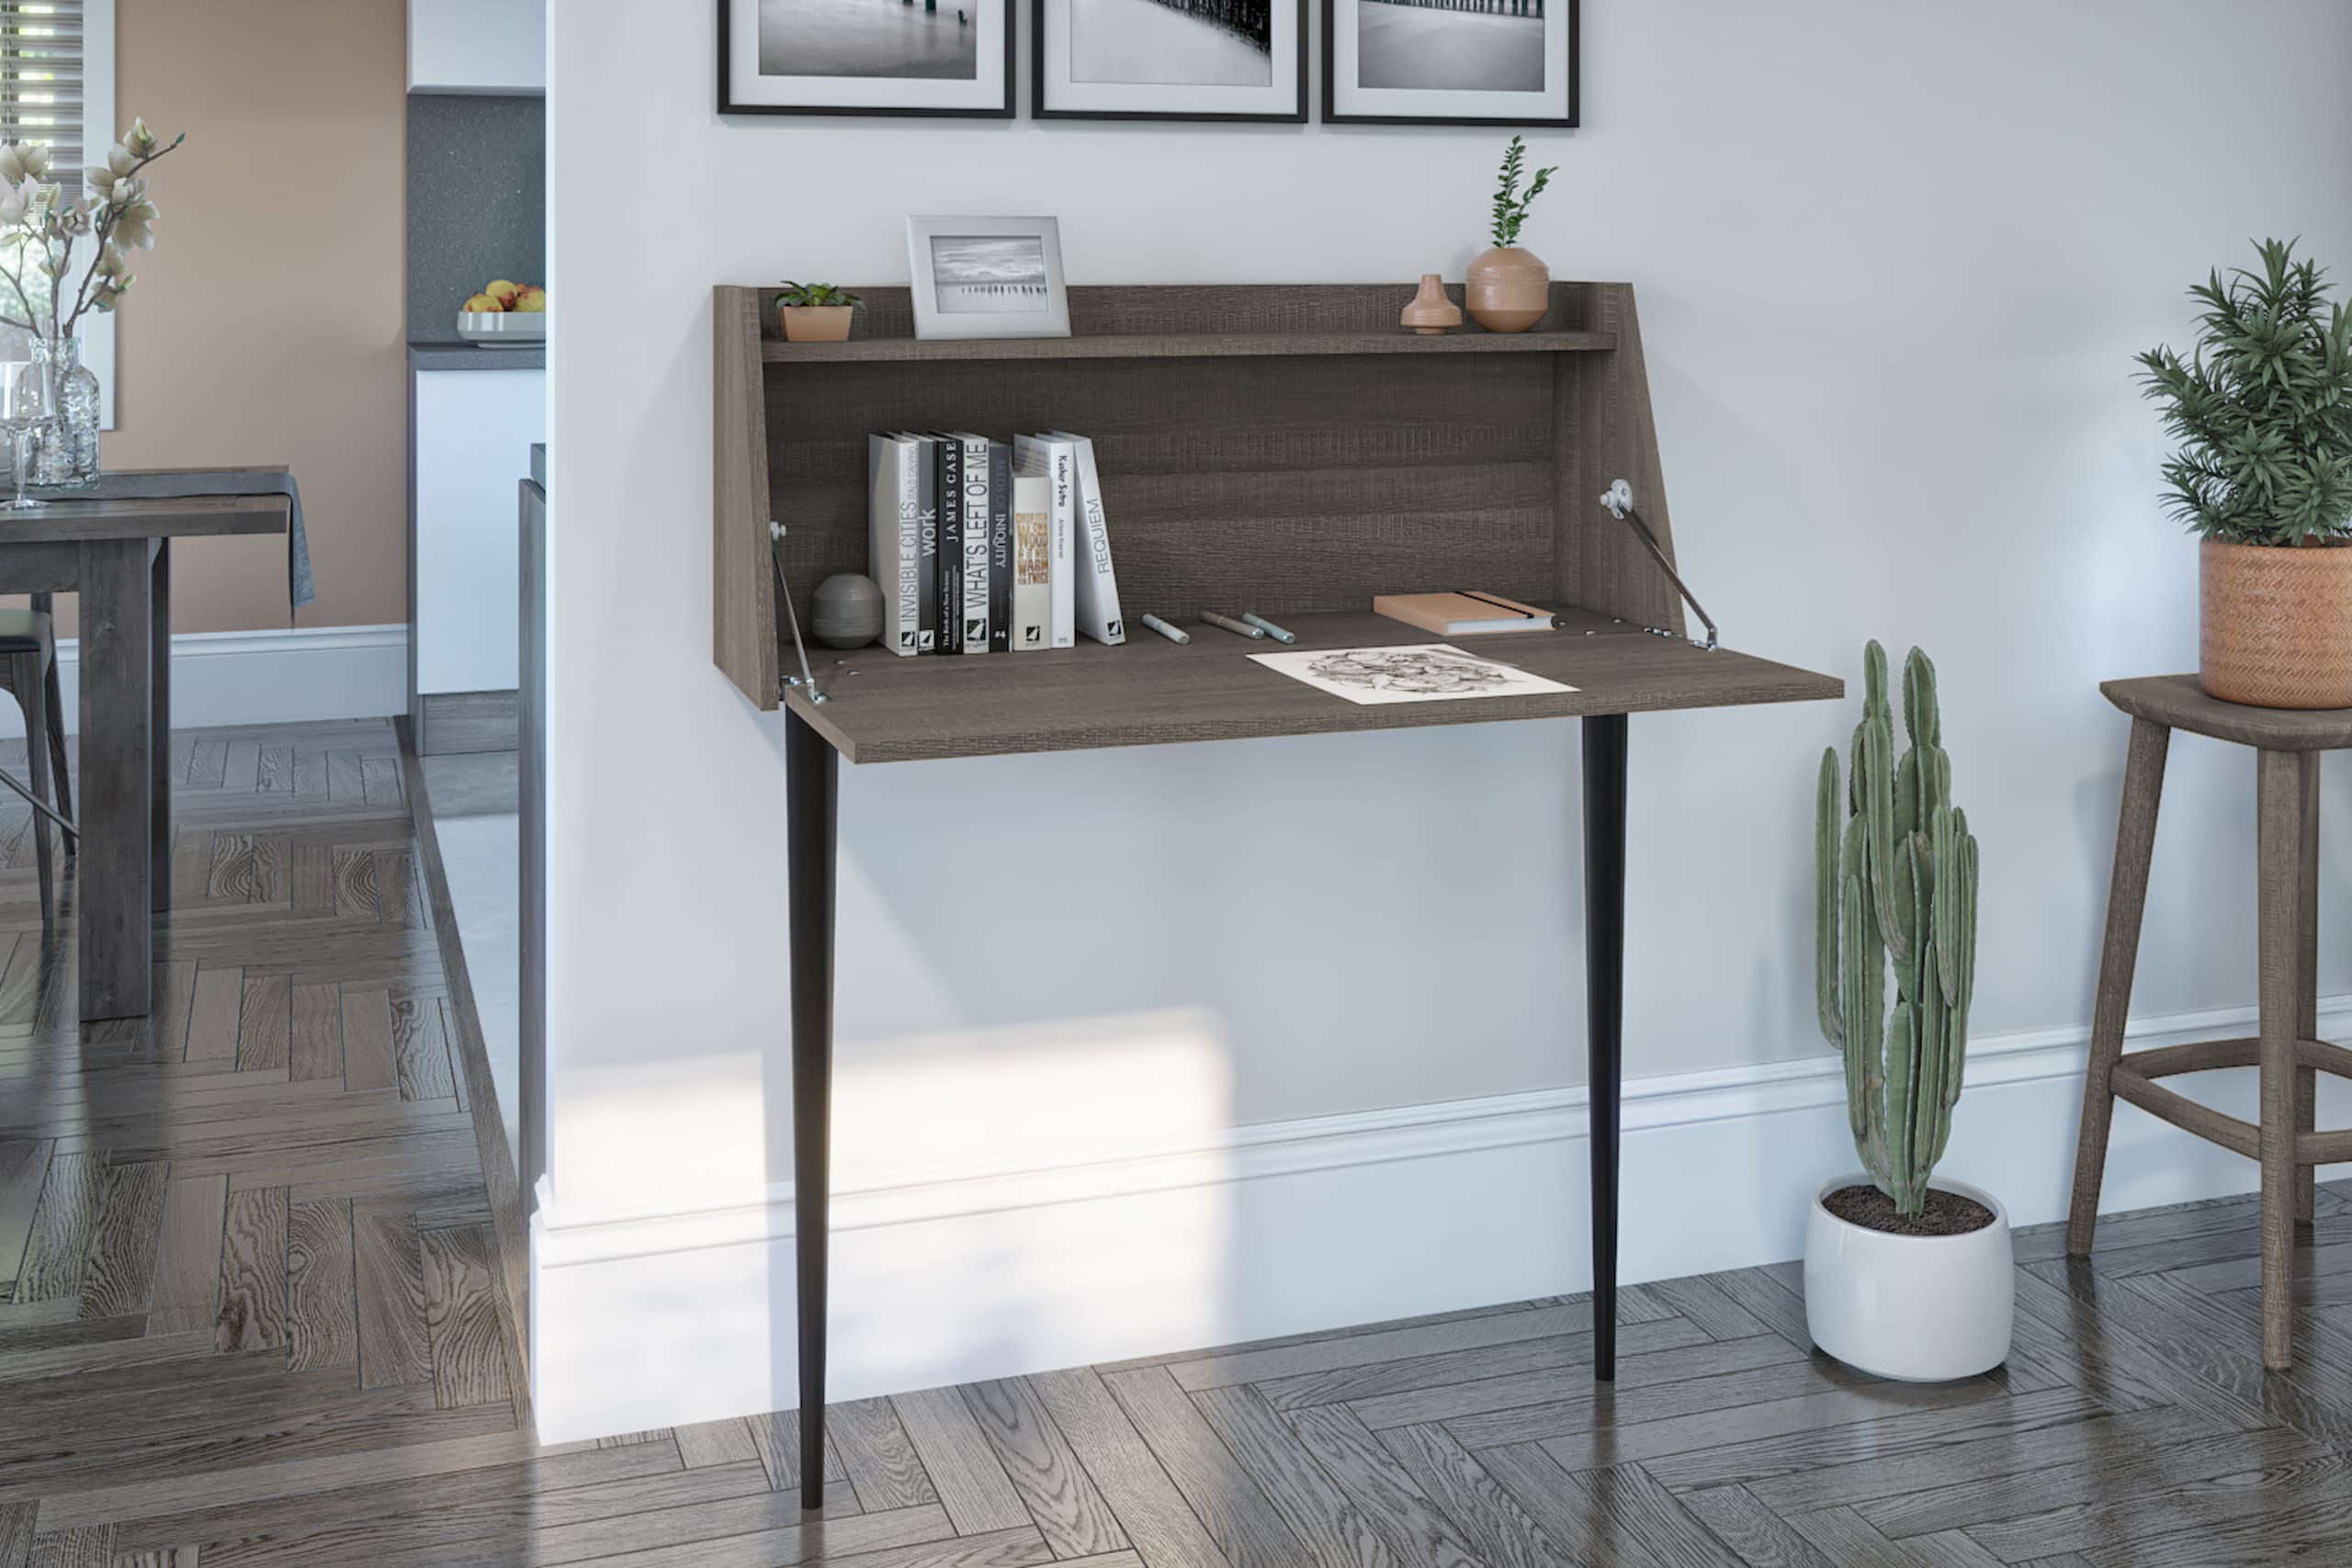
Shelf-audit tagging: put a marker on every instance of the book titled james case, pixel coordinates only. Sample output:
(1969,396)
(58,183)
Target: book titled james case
(981,546)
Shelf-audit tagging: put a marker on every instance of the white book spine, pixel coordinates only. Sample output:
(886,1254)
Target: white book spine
(1064,480)
(1057,461)
(1098,588)
(976,544)
(894,473)
(1033,554)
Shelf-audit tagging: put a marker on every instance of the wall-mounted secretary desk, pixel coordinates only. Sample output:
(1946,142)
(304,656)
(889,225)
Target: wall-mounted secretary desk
(1288,448)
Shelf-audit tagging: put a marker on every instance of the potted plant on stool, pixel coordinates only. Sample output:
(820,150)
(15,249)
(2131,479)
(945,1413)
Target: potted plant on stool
(1904,1277)
(2263,408)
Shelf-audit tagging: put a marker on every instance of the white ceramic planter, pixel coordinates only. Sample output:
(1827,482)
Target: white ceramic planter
(1921,1308)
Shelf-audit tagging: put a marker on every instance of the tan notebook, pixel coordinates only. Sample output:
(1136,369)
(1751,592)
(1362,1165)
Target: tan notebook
(1462,614)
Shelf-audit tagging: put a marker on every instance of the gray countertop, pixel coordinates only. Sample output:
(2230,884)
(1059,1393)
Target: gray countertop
(466,356)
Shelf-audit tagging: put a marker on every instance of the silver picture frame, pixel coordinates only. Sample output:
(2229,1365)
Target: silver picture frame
(988,277)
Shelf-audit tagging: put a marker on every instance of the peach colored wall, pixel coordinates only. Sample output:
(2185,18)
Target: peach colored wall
(266,326)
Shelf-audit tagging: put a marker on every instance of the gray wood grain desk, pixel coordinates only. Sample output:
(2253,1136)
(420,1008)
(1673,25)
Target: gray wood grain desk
(1282,447)
(118,555)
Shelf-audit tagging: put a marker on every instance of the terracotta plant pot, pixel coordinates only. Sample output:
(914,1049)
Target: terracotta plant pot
(2275,623)
(816,324)
(1432,312)
(1508,289)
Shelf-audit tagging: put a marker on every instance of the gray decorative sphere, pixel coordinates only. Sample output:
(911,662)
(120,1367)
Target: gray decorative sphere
(847,612)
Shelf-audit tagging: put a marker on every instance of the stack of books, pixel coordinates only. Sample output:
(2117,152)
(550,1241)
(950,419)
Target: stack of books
(972,543)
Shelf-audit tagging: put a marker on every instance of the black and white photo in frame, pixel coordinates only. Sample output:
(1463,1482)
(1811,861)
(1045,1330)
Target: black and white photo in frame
(896,57)
(1208,59)
(1450,61)
(982,277)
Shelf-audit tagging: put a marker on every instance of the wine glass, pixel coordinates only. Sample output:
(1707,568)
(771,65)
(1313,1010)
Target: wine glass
(27,412)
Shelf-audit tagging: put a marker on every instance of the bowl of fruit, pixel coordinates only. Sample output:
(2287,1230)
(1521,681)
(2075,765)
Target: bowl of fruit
(505,315)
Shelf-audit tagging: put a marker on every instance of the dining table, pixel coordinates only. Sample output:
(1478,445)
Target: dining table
(116,553)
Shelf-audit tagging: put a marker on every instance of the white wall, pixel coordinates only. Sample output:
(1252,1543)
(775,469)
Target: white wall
(1892,264)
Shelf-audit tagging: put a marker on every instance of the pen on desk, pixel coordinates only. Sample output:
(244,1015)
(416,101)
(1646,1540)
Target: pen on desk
(1267,627)
(1242,628)
(1173,634)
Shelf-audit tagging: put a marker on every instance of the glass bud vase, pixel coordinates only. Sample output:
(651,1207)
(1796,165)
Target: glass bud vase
(68,455)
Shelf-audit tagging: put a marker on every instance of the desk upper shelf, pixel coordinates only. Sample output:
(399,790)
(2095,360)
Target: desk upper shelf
(1181,346)
(1148,691)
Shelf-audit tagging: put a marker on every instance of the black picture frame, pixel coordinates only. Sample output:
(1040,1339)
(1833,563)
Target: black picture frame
(1565,122)
(1038,109)
(729,105)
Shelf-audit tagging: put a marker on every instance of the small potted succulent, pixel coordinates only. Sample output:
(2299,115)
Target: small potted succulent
(1509,289)
(1905,1276)
(2262,407)
(815,312)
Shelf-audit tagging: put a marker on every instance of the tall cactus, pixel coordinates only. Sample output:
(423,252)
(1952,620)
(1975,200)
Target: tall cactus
(1897,882)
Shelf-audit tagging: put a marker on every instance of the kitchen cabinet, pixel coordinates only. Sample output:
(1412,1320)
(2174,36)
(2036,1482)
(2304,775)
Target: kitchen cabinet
(471,430)
(476,46)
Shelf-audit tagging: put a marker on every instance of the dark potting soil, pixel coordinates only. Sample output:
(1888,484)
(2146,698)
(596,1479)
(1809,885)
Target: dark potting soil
(1947,1213)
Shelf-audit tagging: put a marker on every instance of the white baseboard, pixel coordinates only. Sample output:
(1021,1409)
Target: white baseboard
(264,677)
(650,1315)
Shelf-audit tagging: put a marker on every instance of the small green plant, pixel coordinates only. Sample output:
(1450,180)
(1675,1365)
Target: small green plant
(1510,207)
(796,295)
(1897,880)
(2262,406)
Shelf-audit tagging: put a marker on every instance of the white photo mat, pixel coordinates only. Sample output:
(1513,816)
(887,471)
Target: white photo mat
(1416,673)
(1056,91)
(1044,314)
(1344,98)
(988,91)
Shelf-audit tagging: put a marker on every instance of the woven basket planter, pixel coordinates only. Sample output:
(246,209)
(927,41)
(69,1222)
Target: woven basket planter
(2275,625)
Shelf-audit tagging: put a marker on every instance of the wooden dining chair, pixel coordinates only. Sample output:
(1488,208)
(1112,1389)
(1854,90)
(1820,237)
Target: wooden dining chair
(53,701)
(27,665)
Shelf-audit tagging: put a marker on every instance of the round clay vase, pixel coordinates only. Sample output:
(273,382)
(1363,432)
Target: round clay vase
(2275,623)
(1430,312)
(845,611)
(1917,1308)
(1508,289)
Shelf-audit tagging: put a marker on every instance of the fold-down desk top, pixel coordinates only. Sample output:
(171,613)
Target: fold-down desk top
(1148,691)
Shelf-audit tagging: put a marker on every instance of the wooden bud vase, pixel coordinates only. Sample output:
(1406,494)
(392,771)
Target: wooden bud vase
(1508,289)
(1431,313)
(2275,623)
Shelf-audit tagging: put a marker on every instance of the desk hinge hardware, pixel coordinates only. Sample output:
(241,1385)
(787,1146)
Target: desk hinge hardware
(1618,502)
(805,679)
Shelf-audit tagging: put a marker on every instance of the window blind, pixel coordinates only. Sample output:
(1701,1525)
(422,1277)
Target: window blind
(42,85)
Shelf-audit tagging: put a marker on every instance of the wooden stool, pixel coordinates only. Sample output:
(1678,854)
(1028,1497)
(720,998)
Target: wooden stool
(2287,744)
(28,661)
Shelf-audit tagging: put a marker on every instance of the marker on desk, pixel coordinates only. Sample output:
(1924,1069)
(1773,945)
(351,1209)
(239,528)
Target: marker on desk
(1269,628)
(1173,634)
(1240,628)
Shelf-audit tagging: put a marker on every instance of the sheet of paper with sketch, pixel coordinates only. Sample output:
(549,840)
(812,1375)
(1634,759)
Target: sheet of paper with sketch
(1428,673)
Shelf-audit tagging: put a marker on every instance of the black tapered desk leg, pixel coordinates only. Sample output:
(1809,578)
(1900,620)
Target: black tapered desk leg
(1604,1004)
(812,792)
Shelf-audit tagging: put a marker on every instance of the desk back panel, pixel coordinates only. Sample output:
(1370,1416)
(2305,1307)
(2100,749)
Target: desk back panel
(1296,481)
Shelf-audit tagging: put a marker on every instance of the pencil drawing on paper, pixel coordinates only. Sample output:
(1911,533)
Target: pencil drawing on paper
(1428,672)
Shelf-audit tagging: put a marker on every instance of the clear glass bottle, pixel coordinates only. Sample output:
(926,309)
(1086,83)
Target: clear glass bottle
(68,457)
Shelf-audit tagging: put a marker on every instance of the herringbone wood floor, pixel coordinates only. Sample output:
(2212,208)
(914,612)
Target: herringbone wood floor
(254,1319)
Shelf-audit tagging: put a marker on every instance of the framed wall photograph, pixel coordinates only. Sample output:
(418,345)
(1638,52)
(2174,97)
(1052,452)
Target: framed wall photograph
(892,57)
(1510,62)
(1185,60)
(981,278)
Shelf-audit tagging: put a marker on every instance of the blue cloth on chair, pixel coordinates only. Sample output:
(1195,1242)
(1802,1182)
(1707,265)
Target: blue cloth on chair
(163,484)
